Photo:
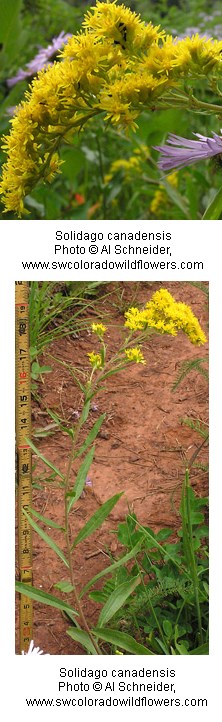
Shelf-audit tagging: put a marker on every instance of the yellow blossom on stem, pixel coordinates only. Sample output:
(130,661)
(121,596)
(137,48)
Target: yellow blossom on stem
(166,315)
(134,354)
(95,359)
(99,328)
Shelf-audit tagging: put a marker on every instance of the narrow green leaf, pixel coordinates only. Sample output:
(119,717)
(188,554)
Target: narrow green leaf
(59,423)
(122,640)
(97,519)
(85,411)
(81,478)
(114,566)
(80,636)
(45,461)
(64,587)
(117,600)
(214,209)
(92,435)
(176,197)
(162,646)
(46,538)
(115,371)
(39,596)
(48,522)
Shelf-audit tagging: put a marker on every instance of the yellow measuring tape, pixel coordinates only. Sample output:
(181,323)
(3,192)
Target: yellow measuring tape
(24,458)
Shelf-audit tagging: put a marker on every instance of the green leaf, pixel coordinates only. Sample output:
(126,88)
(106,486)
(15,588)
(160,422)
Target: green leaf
(64,586)
(48,522)
(113,567)
(214,209)
(59,423)
(46,538)
(202,649)
(81,478)
(9,12)
(92,435)
(85,411)
(167,628)
(117,600)
(39,596)
(176,197)
(80,636)
(97,519)
(181,648)
(122,640)
(45,461)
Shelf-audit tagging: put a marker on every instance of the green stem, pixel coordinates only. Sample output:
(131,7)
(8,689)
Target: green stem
(69,543)
(192,557)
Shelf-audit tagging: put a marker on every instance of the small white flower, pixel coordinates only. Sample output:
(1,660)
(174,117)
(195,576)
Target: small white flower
(34,650)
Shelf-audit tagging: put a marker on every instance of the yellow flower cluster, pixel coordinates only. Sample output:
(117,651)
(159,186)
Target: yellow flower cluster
(95,359)
(117,65)
(165,315)
(160,198)
(98,328)
(129,166)
(134,354)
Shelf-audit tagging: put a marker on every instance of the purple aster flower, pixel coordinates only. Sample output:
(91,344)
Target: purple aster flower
(179,152)
(40,60)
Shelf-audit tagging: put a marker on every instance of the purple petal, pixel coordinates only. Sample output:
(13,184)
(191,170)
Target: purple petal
(179,152)
(40,60)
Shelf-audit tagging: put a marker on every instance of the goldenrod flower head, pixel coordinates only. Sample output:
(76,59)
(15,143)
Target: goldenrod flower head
(165,315)
(198,54)
(95,359)
(121,26)
(134,319)
(115,66)
(99,328)
(160,199)
(158,202)
(134,354)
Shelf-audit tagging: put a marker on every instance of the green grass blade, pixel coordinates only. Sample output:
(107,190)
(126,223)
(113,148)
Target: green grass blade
(39,596)
(92,435)
(81,478)
(122,640)
(97,519)
(46,538)
(117,600)
(45,461)
(113,567)
(80,636)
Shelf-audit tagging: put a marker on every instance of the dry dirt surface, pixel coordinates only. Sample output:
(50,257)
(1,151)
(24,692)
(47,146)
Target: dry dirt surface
(142,448)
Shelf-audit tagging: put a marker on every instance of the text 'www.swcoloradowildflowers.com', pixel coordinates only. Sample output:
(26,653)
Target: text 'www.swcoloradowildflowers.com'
(125,265)
(117,702)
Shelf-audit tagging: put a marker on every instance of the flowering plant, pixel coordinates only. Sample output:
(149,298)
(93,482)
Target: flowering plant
(116,67)
(162,314)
